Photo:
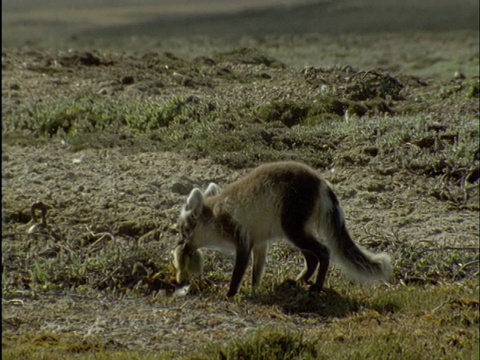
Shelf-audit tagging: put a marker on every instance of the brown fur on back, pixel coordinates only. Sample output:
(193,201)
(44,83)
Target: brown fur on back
(256,201)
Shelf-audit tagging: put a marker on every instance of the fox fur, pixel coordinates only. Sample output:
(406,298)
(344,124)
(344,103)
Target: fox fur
(286,200)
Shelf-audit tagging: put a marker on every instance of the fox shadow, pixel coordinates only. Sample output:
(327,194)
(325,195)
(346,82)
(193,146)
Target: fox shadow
(294,299)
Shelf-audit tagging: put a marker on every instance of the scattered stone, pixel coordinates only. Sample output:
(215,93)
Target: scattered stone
(127,80)
(458,75)
(184,185)
(79,58)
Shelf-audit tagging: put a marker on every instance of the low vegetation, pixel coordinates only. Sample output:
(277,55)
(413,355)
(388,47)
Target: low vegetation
(402,150)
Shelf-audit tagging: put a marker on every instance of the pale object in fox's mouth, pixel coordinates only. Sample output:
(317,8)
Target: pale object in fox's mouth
(183,291)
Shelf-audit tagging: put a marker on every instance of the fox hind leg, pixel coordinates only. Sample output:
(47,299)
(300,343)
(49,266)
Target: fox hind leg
(309,244)
(297,208)
(311,264)
(323,256)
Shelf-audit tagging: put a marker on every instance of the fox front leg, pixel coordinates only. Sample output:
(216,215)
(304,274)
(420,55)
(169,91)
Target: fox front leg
(259,259)
(242,257)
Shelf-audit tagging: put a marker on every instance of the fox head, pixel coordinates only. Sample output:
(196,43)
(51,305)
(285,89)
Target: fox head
(187,259)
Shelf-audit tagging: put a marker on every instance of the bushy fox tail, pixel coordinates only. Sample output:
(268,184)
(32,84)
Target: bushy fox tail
(355,261)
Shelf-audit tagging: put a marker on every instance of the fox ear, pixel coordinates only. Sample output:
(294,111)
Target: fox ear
(195,202)
(212,190)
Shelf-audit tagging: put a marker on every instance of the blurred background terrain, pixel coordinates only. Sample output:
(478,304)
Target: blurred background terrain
(31,20)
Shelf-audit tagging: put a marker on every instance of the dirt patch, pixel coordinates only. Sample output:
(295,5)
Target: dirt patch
(133,201)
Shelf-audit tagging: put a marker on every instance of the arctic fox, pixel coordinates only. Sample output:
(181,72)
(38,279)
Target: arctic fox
(276,200)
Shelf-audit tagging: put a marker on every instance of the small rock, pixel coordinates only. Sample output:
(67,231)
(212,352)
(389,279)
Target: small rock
(184,185)
(35,228)
(183,291)
(128,80)
(349,69)
(181,188)
(458,75)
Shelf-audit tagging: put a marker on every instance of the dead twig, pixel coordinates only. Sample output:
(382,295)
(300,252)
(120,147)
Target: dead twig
(448,301)
(461,248)
(17,302)
(95,246)
(470,178)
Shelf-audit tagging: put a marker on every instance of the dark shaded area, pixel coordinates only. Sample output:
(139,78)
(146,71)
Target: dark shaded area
(293,299)
(332,17)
